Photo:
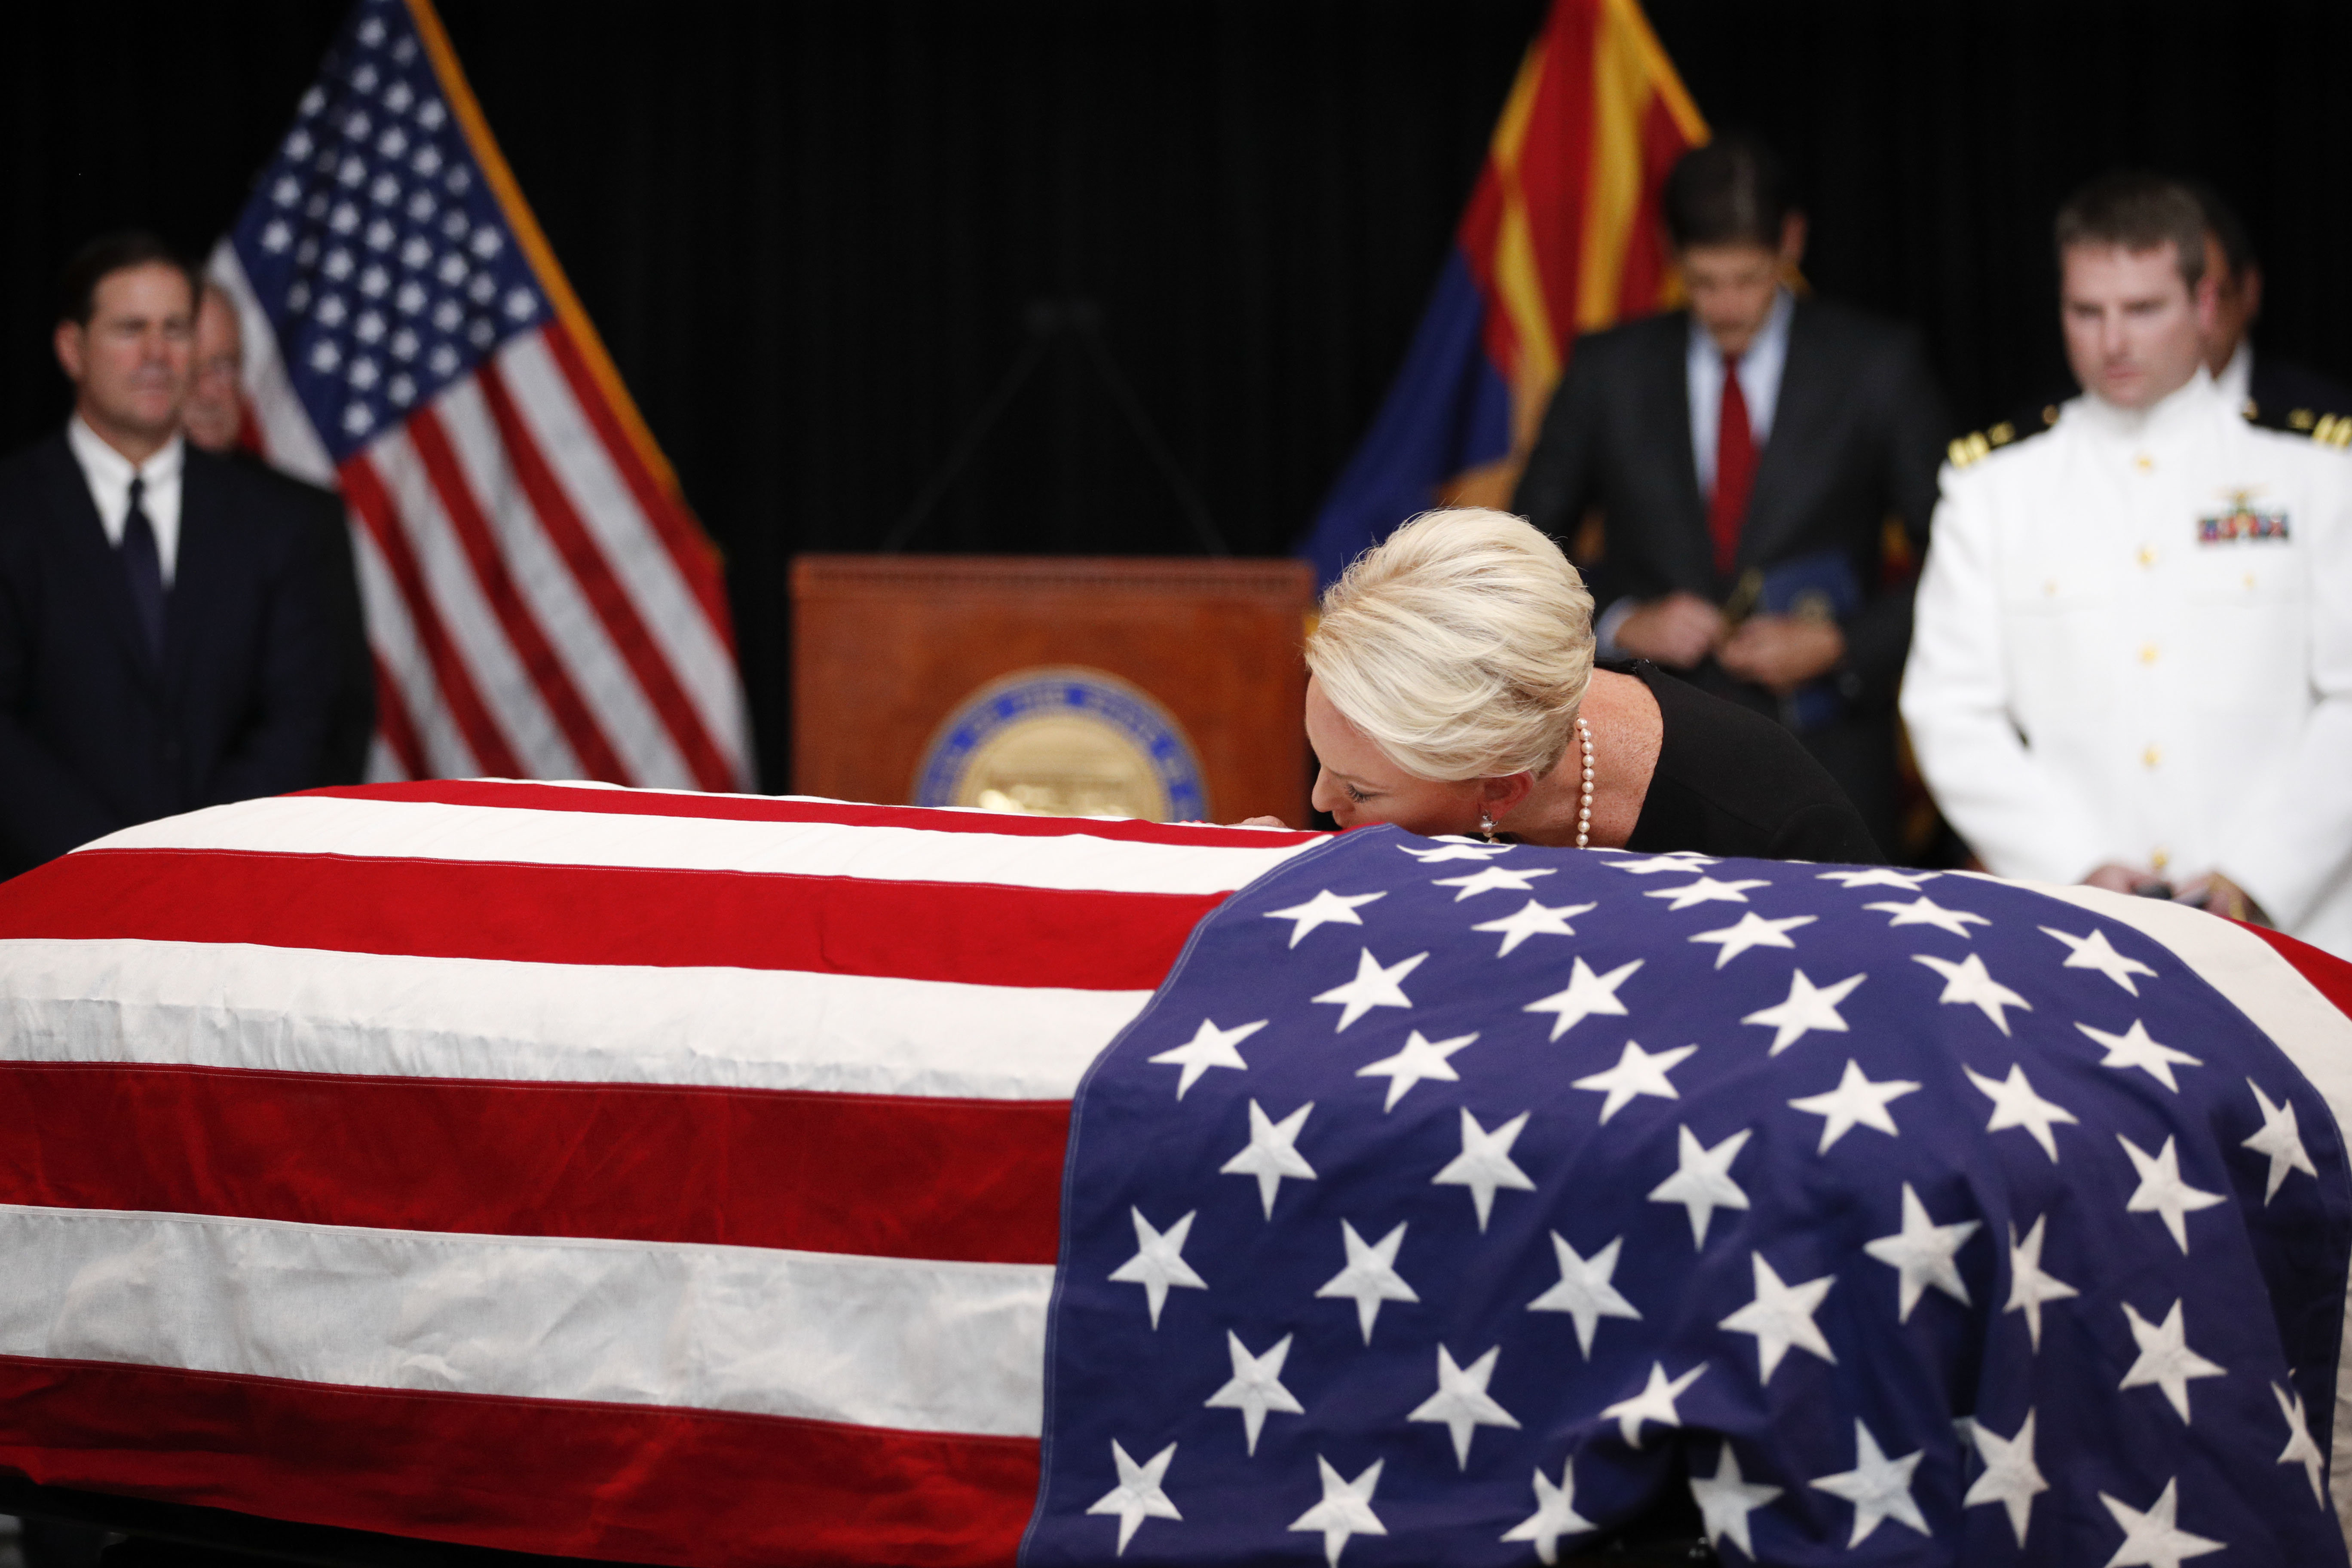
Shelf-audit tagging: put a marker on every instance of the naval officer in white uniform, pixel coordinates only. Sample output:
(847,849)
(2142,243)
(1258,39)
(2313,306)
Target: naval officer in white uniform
(2133,657)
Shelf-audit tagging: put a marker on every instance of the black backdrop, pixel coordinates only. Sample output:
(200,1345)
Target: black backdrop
(809,233)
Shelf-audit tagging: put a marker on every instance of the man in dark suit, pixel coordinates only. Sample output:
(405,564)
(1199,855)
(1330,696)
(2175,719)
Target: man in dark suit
(2268,389)
(214,421)
(161,642)
(1744,458)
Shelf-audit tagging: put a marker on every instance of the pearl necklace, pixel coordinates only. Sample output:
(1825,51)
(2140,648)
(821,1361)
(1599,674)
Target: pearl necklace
(1584,804)
(1584,799)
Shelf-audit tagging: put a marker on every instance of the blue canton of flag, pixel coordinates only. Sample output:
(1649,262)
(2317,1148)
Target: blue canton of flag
(1458,1203)
(376,246)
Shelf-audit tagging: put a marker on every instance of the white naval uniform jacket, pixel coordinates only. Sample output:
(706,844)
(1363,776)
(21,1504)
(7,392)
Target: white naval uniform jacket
(2134,644)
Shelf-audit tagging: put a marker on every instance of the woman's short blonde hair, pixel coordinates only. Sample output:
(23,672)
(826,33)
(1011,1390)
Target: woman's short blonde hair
(1460,646)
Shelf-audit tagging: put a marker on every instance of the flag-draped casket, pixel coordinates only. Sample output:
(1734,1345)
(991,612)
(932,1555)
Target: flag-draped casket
(674,1178)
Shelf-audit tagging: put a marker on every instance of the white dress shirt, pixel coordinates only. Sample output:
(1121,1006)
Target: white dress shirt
(1759,383)
(2134,644)
(108,473)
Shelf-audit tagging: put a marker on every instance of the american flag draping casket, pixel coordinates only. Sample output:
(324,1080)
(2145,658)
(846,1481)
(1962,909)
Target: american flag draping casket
(654,1176)
(674,1178)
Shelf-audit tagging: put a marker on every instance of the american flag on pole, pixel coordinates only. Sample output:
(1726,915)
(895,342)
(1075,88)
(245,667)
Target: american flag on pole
(540,601)
(679,1178)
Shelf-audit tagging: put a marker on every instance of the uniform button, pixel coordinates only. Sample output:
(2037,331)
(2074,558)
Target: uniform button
(2050,589)
(2151,756)
(2160,860)
(2147,554)
(2249,579)
(2144,463)
(2147,652)
(171,751)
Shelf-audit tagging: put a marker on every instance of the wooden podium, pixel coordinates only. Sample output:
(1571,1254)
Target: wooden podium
(1049,683)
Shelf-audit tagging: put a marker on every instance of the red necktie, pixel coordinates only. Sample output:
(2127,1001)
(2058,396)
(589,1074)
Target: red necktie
(1734,470)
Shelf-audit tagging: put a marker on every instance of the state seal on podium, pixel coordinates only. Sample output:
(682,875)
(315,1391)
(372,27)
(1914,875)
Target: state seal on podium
(1064,741)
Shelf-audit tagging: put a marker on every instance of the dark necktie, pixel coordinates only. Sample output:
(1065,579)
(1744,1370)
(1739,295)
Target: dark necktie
(1734,470)
(142,569)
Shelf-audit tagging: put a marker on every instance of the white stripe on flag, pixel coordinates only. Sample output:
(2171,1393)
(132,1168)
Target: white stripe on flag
(287,439)
(553,595)
(688,642)
(506,689)
(915,1345)
(334,824)
(396,1015)
(392,636)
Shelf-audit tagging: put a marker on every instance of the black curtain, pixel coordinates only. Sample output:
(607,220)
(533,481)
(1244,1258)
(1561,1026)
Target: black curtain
(810,234)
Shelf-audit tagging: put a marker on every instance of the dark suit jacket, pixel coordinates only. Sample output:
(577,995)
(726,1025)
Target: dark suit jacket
(351,724)
(94,734)
(2280,390)
(1858,434)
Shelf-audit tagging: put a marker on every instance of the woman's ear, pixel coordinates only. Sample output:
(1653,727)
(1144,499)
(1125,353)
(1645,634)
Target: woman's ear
(1498,797)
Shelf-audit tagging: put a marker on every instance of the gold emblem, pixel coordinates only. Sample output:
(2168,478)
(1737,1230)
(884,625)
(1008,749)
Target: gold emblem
(1064,741)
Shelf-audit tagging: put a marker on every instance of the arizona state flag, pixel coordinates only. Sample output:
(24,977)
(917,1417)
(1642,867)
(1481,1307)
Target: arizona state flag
(1561,237)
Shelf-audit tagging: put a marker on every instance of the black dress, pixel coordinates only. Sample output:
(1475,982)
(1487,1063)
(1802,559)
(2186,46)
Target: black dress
(1731,782)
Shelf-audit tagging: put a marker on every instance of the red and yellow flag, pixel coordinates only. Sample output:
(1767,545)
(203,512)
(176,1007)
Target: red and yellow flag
(1561,237)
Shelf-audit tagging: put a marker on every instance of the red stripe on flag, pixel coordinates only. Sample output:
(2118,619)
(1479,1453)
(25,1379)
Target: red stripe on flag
(628,1483)
(976,934)
(758,808)
(393,722)
(363,488)
(519,621)
(965,1180)
(667,516)
(603,589)
(1647,263)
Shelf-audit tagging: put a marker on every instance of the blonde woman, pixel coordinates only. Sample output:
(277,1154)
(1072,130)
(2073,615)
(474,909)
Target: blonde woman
(1454,690)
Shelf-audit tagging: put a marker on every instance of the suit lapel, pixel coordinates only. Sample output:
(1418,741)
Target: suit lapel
(81,538)
(1776,506)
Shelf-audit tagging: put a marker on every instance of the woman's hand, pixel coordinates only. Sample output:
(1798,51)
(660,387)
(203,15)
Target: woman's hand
(1263,822)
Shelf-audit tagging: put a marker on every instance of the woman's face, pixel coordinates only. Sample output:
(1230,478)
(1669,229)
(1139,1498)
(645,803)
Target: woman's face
(1356,783)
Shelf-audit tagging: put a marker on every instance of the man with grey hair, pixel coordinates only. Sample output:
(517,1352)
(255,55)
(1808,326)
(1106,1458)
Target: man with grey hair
(214,421)
(2132,664)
